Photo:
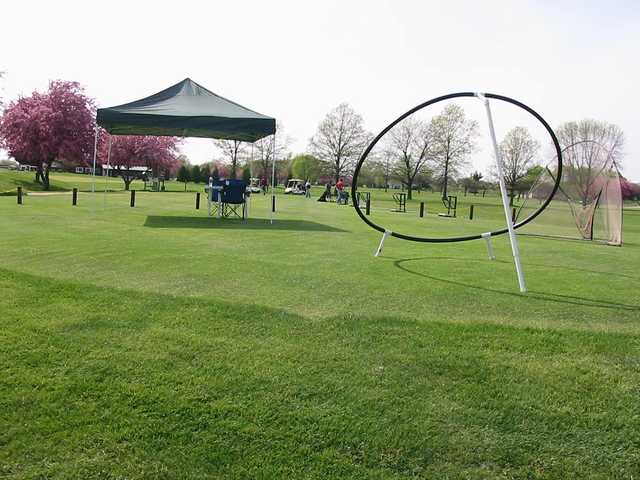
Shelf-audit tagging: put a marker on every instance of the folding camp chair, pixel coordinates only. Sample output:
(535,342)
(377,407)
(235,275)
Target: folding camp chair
(215,197)
(234,200)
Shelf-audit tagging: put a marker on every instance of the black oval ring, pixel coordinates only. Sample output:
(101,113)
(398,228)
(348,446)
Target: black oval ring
(364,155)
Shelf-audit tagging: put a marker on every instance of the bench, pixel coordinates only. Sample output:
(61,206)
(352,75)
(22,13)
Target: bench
(401,202)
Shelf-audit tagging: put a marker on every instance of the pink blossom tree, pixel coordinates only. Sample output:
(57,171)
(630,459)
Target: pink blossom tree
(630,190)
(57,125)
(160,154)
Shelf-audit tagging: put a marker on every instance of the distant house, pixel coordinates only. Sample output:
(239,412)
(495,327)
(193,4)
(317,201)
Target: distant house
(85,170)
(9,163)
(138,172)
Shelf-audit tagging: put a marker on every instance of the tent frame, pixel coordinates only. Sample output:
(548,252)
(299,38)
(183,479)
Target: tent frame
(260,123)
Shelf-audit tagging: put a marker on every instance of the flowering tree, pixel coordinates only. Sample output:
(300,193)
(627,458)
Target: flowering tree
(54,126)
(160,154)
(630,190)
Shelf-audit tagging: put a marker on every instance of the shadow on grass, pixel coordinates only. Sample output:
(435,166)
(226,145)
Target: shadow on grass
(157,221)
(29,186)
(545,296)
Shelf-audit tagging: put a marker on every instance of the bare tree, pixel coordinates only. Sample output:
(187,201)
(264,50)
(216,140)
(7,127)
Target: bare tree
(518,150)
(454,137)
(410,145)
(384,165)
(265,151)
(589,147)
(387,170)
(232,151)
(339,141)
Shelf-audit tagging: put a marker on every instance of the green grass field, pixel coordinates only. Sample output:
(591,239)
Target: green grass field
(11,179)
(154,342)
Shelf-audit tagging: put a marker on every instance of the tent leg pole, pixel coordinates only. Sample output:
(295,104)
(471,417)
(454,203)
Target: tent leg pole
(503,193)
(95,153)
(273,179)
(384,237)
(106,176)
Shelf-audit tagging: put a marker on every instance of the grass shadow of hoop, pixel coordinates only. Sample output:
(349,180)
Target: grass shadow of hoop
(159,221)
(536,295)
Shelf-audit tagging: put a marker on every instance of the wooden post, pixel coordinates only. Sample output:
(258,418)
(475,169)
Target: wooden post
(198,201)
(471,212)
(368,206)
(74,197)
(19,195)
(421,209)
(133,198)
(273,203)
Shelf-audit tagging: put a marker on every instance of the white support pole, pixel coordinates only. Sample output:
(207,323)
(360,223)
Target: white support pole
(247,213)
(487,239)
(95,152)
(106,174)
(386,234)
(503,192)
(273,177)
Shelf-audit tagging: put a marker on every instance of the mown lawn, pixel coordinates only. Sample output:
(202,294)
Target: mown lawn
(154,342)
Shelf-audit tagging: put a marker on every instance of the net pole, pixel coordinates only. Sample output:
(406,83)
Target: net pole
(503,193)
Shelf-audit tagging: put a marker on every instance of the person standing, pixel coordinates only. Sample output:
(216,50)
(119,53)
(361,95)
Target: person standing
(307,189)
(340,190)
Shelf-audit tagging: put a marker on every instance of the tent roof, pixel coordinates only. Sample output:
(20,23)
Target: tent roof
(186,110)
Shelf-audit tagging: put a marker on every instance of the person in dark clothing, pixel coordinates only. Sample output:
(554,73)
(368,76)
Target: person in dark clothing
(326,195)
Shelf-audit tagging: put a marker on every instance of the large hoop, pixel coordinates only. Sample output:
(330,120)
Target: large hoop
(556,144)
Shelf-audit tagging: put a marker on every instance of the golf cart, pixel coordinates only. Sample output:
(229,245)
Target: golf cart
(295,186)
(254,185)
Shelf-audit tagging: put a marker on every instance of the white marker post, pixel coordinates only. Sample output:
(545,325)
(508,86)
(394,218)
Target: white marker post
(503,192)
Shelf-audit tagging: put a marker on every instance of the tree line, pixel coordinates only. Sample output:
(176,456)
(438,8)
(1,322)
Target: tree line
(58,126)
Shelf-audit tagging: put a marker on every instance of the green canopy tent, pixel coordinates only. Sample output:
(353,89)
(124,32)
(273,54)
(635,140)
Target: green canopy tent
(185,109)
